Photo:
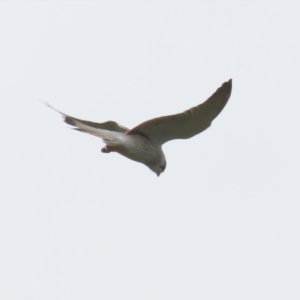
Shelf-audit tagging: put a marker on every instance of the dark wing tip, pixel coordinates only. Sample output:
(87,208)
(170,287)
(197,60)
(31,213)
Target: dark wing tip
(217,101)
(228,83)
(227,87)
(69,120)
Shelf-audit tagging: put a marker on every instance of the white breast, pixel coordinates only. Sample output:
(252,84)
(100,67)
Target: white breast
(141,149)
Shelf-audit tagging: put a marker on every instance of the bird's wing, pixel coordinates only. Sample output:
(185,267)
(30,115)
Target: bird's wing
(188,123)
(109,125)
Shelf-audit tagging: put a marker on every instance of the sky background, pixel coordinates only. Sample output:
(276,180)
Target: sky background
(222,222)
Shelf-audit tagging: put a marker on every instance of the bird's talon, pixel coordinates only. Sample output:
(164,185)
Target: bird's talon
(105,150)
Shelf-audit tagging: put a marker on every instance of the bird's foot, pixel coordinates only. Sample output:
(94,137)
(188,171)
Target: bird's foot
(105,150)
(108,149)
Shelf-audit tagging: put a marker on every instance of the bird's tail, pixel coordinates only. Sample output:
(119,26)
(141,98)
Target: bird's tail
(110,138)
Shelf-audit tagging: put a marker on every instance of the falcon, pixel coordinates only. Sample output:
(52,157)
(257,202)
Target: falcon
(143,143)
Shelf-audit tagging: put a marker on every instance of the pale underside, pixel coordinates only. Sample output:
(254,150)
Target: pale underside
(143,142)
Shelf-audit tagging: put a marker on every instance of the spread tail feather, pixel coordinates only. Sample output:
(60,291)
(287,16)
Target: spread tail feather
(110,137)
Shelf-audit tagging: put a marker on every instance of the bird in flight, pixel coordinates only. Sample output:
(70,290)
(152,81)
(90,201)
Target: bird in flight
(143,143)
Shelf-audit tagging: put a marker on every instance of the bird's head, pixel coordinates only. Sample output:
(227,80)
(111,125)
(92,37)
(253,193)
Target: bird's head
(159,167)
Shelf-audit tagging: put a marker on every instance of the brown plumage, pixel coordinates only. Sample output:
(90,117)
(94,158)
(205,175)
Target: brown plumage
(143,142)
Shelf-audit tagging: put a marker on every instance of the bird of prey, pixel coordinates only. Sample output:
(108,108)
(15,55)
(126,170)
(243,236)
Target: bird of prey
(143,143)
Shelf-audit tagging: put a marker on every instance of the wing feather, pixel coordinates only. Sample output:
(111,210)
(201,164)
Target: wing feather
(109,125)
(188,123)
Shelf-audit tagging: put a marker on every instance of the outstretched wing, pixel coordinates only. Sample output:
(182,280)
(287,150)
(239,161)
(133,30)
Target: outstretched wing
(187,123)
(109,125)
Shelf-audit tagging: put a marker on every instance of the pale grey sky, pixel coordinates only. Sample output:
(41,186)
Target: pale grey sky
(222,222)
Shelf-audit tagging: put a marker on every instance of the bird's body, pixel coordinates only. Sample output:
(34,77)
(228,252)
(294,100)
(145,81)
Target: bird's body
(139,148)
(143,142)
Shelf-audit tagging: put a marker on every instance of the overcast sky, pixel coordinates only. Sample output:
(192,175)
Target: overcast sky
(222,222)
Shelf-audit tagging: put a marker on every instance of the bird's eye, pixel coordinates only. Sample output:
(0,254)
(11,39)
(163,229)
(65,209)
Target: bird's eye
(163,167)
